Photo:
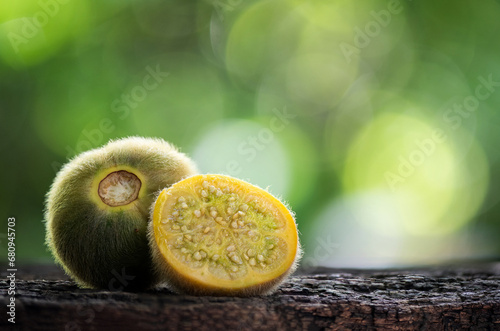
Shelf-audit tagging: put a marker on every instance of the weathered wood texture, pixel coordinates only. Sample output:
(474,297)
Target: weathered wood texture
(445,298)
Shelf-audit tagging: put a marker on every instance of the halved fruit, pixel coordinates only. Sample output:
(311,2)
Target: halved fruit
(217,235)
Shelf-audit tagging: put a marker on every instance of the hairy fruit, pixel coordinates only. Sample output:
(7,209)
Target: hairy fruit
(97,211)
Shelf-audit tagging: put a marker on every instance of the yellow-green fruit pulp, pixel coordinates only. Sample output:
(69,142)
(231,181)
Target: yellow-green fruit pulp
(97,211)
(219,235)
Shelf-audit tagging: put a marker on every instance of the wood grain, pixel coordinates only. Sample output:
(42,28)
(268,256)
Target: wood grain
(438,298)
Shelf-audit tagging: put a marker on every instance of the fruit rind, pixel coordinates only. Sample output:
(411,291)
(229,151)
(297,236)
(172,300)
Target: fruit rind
(182,278)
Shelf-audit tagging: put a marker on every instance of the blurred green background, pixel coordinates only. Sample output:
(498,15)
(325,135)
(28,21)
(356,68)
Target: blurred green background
(377,121)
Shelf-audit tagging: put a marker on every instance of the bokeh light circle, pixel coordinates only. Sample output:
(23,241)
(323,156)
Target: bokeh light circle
(413,164)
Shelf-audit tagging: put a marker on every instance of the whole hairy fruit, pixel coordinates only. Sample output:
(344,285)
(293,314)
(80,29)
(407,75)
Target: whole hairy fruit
(97,211)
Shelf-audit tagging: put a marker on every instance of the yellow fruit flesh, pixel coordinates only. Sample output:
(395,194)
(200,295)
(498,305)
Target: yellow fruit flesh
(220,233)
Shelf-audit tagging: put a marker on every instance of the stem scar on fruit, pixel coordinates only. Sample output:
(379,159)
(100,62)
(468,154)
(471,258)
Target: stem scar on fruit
(118,188)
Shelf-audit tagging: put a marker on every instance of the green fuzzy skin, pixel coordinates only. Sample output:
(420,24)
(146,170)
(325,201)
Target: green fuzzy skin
(108,249)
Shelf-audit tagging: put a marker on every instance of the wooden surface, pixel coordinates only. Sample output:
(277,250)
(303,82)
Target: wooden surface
(444,298)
